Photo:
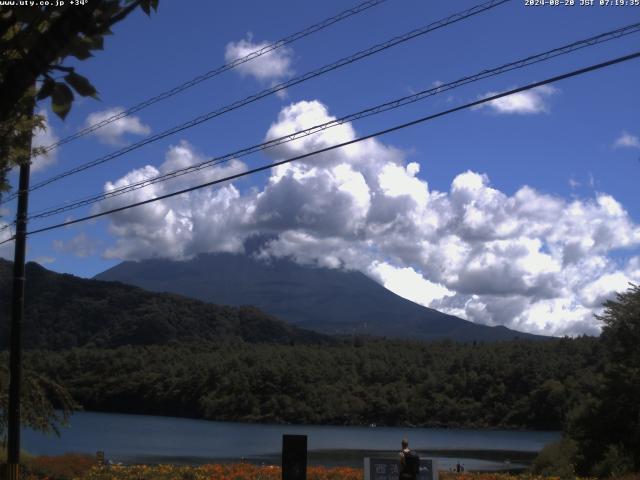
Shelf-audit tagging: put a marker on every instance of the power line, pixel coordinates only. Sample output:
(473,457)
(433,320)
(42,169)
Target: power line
(11,234)
(530,86)
(533,59)
(252,98)
(217,71)
(565,49)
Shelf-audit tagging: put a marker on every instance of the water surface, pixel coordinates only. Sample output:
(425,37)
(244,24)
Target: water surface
(153,439)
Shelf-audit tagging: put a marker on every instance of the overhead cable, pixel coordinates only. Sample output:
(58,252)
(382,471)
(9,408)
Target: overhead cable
(270,91)
(400,102)
(217,71)
(379,133)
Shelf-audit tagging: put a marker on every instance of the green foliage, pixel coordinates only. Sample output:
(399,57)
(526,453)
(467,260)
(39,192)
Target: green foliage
(34,43)
(616,462)
(29,29)
(81,85)
(606,424)
(147,5)
(45,404)
(24,455)
(61,99)
(382,381)
(14,138)
(63,311)
(153,353)
(556,460)
(621,330)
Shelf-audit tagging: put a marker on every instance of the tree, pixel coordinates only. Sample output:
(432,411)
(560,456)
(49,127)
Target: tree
(606,427)
(34,43)
(45,404)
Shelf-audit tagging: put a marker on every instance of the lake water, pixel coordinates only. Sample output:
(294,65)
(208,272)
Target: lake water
(151,439)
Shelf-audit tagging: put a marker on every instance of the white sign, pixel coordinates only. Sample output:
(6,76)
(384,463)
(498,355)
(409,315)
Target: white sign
(377,468)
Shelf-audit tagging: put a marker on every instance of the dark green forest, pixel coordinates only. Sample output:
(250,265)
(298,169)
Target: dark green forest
(63,311)
(515,384)
(123,349)
(115,348)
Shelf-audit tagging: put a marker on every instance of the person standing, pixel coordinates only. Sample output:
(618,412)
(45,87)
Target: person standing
(409,462)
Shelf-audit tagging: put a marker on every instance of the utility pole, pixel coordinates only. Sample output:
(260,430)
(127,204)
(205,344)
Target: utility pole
(17,313)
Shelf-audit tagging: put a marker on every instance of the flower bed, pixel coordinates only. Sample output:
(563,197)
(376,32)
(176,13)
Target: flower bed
(82,467)
(231,471)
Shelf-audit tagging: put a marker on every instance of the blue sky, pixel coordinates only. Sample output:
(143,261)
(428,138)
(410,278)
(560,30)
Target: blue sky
(573,231)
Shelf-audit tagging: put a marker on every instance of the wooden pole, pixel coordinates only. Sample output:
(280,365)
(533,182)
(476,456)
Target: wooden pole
(17,313)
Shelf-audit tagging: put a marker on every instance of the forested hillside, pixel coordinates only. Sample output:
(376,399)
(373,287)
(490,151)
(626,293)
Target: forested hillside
(64,311)
(327,300)
(509,384)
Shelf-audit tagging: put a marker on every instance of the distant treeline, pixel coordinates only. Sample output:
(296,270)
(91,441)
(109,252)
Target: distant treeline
(517,384)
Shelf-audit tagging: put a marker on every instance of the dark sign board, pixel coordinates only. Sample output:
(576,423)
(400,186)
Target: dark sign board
(389,469)
(294,457)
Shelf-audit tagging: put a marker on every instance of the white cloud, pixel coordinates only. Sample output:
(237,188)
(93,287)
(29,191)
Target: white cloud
(627,140)
(43,137)
(528,102)
(270,67)
(81,246)
(408,283)
(178,226)
(6,249)
(114,133)
(529,260)
(604,288)
(44,260)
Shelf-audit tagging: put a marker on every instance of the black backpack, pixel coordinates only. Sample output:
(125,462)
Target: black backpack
(411,463)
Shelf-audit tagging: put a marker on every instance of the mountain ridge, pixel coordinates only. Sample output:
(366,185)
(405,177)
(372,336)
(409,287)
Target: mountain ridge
(331,301)
(63,311)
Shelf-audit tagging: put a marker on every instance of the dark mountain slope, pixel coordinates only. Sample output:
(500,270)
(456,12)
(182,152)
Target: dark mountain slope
(63,311)
(321,299)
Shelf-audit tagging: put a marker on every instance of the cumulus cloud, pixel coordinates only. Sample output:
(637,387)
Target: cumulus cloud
(270,68)
(6,249)
(528,260)
(528,102)
(204,220)
(43,137)
(81,246)
(599,290)
(115,133)
(44,260)
(627,140)
(408,283)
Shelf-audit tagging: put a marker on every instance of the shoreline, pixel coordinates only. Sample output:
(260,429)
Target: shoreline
(134,439)
(486,460)
(434,426)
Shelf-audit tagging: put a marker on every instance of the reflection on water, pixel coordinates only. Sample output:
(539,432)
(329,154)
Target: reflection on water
(151,439)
